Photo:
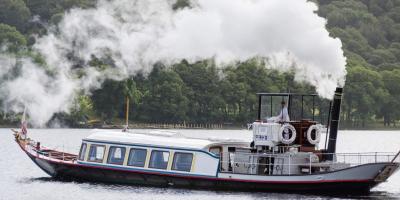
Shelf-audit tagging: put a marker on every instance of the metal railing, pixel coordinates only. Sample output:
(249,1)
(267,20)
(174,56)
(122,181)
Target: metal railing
(311,163)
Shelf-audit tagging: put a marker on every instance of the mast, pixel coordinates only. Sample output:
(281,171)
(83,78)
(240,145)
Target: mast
(127,115)
(335,115)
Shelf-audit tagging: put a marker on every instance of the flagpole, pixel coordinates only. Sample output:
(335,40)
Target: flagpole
(24,125)
(126,115)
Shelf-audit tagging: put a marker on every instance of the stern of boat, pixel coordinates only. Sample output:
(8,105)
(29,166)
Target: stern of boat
(386,172)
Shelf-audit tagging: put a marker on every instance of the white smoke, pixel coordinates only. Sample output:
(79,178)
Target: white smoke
(40,92)
(288,34)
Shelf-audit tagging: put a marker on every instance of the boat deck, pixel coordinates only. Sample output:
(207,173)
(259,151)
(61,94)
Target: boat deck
(57,154)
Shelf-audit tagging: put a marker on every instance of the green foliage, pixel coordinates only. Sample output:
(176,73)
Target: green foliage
(202,93)
(369,30)
(131,91)
(81,111)
(179,4)
(48,9)
(108,102)
(11,38)
(14,13)
(165,100)
(366,96)
(389,111)
(202,81)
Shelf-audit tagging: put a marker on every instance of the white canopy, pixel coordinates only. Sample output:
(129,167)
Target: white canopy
(168,140)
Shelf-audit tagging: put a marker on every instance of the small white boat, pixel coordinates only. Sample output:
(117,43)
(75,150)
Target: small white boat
(284,157)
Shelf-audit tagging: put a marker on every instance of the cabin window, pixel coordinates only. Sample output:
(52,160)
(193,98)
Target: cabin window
(82,152)
(137,157)
(116,155)
(159,159)
(182,161)
(216,150)
(96,153)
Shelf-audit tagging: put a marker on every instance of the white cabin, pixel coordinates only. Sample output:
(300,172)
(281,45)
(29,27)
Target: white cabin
(160,153)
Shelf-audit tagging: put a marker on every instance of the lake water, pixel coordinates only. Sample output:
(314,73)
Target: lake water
(20,178)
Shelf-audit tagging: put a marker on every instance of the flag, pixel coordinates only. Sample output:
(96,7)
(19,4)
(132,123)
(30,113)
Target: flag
(24,124)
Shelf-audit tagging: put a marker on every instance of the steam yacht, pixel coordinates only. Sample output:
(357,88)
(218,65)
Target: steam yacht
(284,155)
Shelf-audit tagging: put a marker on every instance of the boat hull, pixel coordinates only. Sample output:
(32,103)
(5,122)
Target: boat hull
(80,172)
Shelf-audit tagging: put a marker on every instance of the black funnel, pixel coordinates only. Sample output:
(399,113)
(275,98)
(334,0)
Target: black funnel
(335,115)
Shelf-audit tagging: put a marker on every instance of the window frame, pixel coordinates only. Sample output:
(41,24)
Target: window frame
(123,153)
(162,151)
(104,151)
(82,155)
(174,161)
(216,147)
(129,156)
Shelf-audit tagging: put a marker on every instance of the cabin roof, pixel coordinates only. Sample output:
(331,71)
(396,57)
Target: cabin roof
(153,140)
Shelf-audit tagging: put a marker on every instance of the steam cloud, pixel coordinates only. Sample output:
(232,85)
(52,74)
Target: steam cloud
(288,34)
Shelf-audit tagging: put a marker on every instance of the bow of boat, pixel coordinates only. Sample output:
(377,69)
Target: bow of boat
(45,158)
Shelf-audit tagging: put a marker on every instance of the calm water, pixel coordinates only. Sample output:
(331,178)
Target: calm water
(20,178)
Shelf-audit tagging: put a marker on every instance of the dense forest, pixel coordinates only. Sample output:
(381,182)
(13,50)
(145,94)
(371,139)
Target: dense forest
(203,93)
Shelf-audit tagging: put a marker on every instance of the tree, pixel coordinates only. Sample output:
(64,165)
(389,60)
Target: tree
(108,101)
(202,90)
(131,93)
(165,100)
(14,13)
(10,37)
(179,4)
(389,110)
(46,9)
(364,92)
(81,111)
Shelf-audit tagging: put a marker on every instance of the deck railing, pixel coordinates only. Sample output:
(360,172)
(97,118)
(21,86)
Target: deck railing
(310,164)
(52,153)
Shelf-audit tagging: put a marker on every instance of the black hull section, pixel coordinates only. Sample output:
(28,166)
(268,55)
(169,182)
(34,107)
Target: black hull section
(75,172)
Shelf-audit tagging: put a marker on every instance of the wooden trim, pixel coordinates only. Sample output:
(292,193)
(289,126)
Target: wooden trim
(170,159)
(86,158)
(192,168)
(105,155)
(148,154)
(127,153)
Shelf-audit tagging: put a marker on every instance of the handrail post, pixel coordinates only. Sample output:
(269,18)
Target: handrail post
(269,165)
(63,153)
(233,166)
(310,163)
(220,162)
(289,163)
(397,155)
(376,155)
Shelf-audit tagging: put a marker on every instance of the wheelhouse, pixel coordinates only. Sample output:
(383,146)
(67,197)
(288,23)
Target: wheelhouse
(300,106)
(303,111)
